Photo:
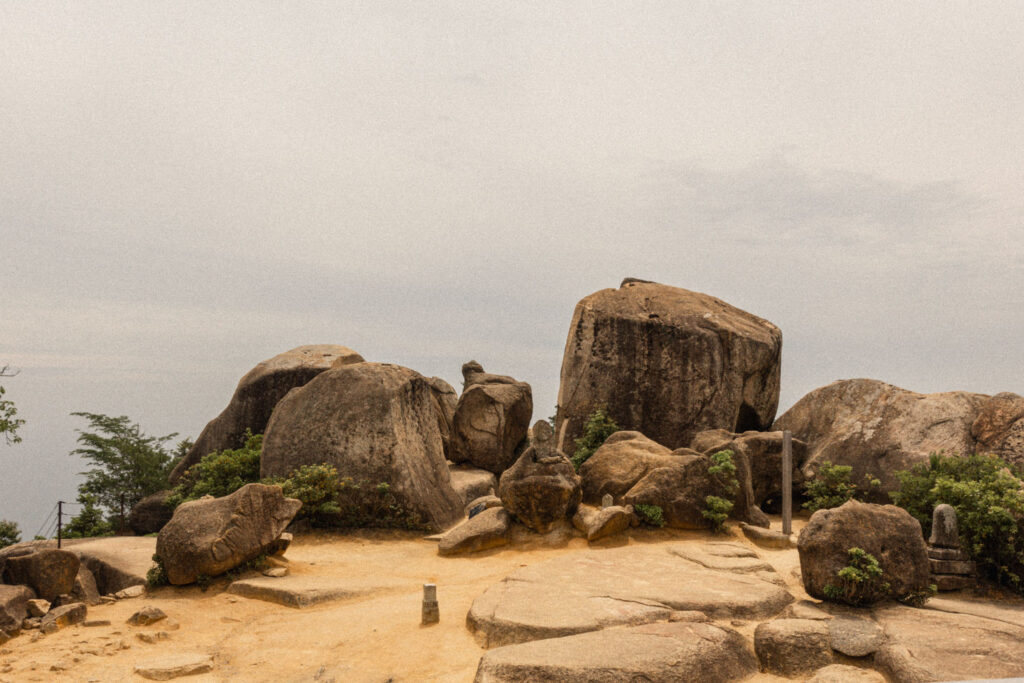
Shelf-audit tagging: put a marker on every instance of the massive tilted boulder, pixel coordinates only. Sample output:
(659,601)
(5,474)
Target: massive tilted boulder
(667,362)
(49,572)
(541,488)
(491,420)
(635,470)
(764,453)
(257,394)
(886,532)
(149,515)
(879,429)
(209,536)
(999,427)
(376,423)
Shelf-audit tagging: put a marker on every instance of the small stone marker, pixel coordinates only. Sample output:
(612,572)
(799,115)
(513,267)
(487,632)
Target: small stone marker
(951,567)
(431,613)
(787,482)
(607,501)
(944,527)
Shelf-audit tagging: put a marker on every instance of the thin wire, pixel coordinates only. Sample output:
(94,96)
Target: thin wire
(47,520)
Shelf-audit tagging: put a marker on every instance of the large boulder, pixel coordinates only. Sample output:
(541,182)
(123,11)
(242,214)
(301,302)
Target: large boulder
(879,429)
(209,536)
(886,532)
(377,424)
(667,362)
(149,515)
(445,401)
(763,451)
(999,427)
(488,529)
(542,487)
(635,470)
(491,419)
(257,394)
(49,572)
(14,606)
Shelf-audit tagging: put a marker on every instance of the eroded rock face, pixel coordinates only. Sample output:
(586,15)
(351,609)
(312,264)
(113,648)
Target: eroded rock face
(999,427)
(879,429)
(491,419)
(49,572)
(654,653)
(541,488)
(14,606)
(764,453)
(257,394)
(790,647)
(151,513)
(375,423)
(209,536)
(634,470)
(669,363)
(887,532)
(488,529)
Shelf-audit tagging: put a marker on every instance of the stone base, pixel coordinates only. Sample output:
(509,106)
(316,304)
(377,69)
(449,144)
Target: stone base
(935,553)
(961,567)
(952,582)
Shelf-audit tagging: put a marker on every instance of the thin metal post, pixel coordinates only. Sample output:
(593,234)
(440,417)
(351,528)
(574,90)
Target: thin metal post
(60,511)
(787,482)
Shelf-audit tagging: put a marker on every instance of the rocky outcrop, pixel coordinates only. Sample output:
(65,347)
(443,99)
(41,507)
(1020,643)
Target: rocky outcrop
(491,419)
(14,607)
(654,653)
(635,470)
(149,515)
(879,429)
(667,362)
(488,529)
(257,394)
(63,616)
(445,400)
(541,488)
(597,524)
(49,572)
(763,451)
(471,483)
(886,532)
(375,423)
(790,647)
(209,536)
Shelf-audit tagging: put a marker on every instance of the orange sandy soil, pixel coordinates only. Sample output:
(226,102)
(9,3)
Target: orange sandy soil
(375,637)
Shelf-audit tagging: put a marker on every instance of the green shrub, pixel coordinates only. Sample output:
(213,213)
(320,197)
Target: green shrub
(650,514)
(722,472)
(831,487)
(157,574)
(858,583)
(988,496)
(598,428)
(317,487)
(9,533)
(365,504)
(221,472)
(89,522)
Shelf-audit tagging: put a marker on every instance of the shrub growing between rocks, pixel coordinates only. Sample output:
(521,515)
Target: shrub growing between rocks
(831,487)
(650,514)
(723,474)
(988,496)
(598,428)
(221,472)
(860,582)
(317,487)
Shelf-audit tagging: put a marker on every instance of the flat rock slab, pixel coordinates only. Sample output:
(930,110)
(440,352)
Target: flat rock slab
(175,666)
(624,586)
(118,562)
(855,637)
(730,557)
(767,538)
(929,645)
(843,673)
(298,591)
(1007,613)
(681,651)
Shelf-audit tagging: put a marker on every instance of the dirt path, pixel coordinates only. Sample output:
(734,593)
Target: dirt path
(373,638)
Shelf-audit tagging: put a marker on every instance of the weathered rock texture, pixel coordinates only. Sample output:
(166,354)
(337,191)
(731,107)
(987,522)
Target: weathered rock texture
(14,606)
(667,362)
(624,586)
(879,429)
(653,653)
(887,532)
(792,646)
(491,419)
(542,487)
(471,483)
(209,536)
(375,423)
(596,524)
(488,529)
(445,400)
(49,572)
(634,470)
(764,453)
(150,514)
(257,394)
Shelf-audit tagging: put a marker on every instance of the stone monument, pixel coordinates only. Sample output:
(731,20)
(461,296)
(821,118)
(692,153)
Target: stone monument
(951,568)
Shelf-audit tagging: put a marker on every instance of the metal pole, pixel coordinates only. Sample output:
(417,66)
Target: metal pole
(120,531)
(60,511)
(787,482)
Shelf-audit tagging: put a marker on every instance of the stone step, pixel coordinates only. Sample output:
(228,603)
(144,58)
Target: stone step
(951,567)
(951,582)
(946,553)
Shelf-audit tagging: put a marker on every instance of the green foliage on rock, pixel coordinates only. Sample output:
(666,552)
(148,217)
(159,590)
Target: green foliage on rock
(157,574)
(365,504)
(9,533)
(9,422)
(860,582)
(830,487)
(317,487)
(716,512)
(598,428)
(719,505)
(988,496)
(221,472)
(89,522)
(650,514)
(127,464)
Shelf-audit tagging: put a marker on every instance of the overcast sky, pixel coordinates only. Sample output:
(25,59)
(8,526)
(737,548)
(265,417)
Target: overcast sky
(189,188)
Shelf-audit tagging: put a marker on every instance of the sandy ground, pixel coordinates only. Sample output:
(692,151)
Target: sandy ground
(376,637)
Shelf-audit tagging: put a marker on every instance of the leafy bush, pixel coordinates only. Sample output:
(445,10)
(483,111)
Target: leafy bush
(723,476)
(831,487)
(988,496)
(858,583)
(89,522)
(365,504)
(9,533)
(9,421)
(221,472)
(650,514)
(317,487)
(157,574)
(598,428)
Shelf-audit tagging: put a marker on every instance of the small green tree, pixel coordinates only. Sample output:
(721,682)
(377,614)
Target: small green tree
(722,473)
(89,521)
(317,487)
(598,428)
(221,472)
(9,533)
(127,464)
(9,422)
(860,582)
